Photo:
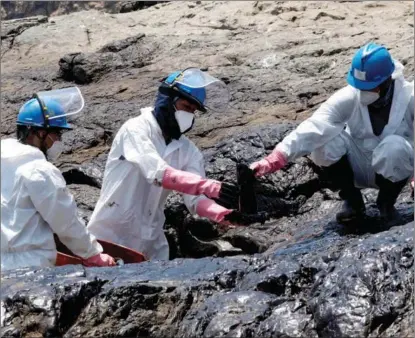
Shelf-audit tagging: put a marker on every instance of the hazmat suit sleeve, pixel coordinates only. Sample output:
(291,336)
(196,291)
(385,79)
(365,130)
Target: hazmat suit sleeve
(326,123)
(195,165)
(51,198)
(138,148)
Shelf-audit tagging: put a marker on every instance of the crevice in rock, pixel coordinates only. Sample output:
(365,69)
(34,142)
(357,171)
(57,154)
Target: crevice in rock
(284,286)
(79,176)
(71,301)
(381,323)
(131,6)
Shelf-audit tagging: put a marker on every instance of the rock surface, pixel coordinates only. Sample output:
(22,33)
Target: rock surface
(23,9)
(300,273)
(332,286)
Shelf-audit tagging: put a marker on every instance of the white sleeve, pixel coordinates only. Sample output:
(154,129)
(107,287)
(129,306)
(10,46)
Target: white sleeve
(51,198)
(138,148)
(326,123)
(195,165)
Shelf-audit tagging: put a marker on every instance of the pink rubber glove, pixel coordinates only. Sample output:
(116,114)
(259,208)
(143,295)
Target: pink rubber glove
(189,183)
(215,212)
(219,214)
(99,260)
(273,162)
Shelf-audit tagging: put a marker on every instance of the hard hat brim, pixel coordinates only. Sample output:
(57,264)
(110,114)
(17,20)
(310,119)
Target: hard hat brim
(363,85)
(173,91)
(66,126)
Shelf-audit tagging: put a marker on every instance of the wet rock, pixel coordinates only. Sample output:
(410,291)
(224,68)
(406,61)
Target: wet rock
(374,290)
(289,319)
(234,314)
(51,307)
(333,286)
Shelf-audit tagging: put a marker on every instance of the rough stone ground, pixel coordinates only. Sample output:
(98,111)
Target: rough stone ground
(299,274)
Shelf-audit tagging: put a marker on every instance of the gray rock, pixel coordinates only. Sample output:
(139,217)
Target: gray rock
(134,52)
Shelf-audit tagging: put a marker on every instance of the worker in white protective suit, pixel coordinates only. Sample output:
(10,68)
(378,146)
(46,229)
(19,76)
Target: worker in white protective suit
(150,157)
(362,136)
(35,202)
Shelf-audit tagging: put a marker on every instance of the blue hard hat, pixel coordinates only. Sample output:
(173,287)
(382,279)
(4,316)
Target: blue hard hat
(30,114)
(371,65)
(197,94)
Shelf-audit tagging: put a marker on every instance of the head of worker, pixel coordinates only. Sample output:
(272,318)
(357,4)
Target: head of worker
(182,95)
(42,120)
(371,73)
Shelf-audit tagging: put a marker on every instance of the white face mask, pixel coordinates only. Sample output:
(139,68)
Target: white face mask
(55,151)
(367,98)
(184,120)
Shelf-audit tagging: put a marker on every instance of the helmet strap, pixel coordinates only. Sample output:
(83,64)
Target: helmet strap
(43,147)
(43,109)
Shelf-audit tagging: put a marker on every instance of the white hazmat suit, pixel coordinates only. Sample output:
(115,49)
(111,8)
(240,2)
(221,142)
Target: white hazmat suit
(35,203)
(342,126)
(130,210)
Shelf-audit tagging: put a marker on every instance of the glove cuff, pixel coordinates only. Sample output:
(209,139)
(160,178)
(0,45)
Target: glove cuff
(190,183)
(277,160)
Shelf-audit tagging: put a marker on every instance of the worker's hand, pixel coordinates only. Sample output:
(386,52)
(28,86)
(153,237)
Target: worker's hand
(99,260)
(273,162)
(227,217)
(412,186)
(228,195)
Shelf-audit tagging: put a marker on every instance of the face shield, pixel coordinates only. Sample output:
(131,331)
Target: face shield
(209,91)
(60,106)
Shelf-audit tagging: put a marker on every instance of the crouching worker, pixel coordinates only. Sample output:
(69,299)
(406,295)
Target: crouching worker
(150,157)
(35,202)
(362,136)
